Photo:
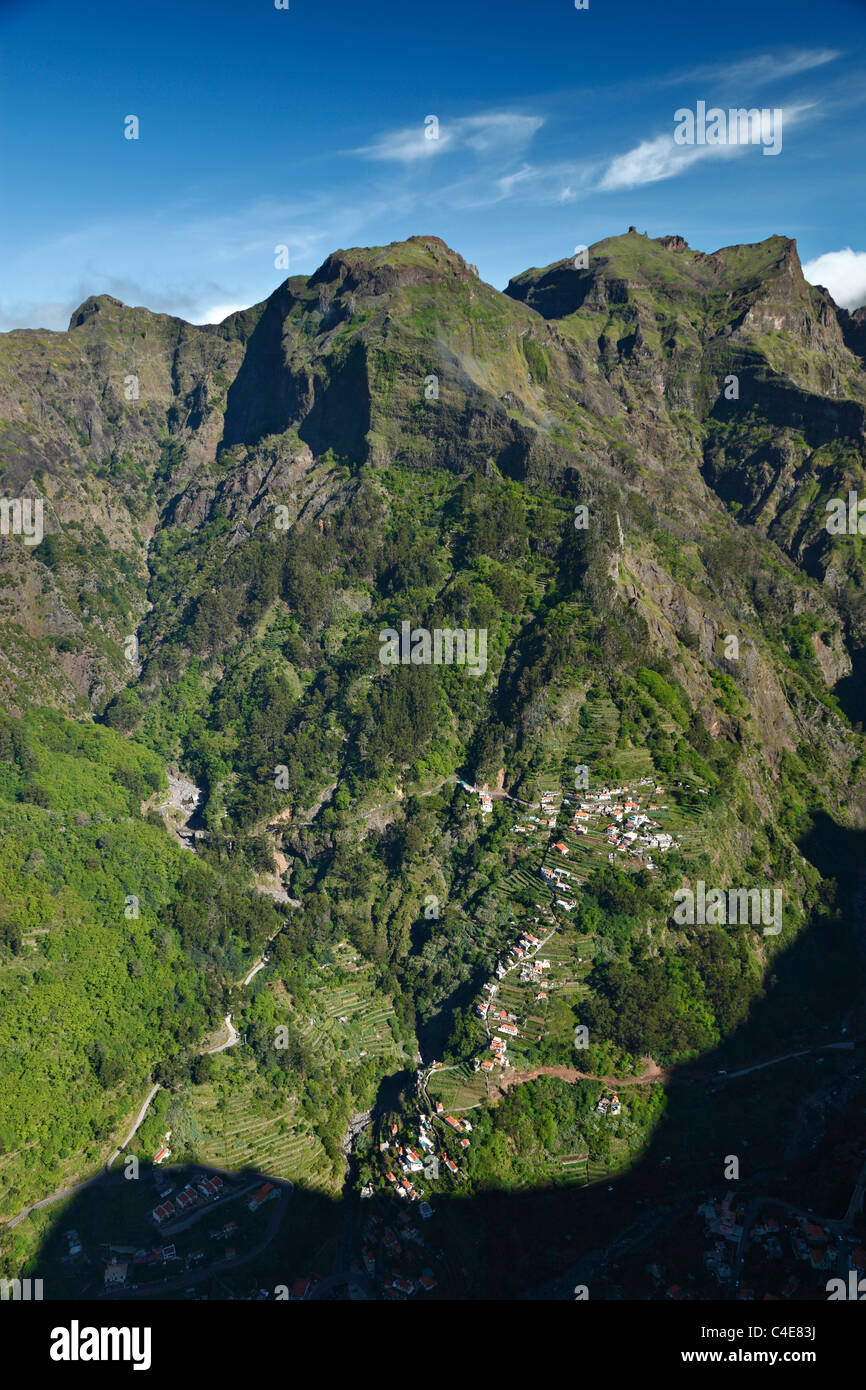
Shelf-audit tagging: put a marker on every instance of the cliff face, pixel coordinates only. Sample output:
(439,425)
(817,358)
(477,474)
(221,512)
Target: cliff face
(720,398)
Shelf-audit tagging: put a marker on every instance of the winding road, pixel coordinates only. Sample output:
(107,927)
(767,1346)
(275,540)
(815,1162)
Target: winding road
(233,1039)
(233,1034)
(80,1186)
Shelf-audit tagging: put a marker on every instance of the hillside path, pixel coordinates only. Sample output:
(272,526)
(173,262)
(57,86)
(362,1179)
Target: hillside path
(652,1072)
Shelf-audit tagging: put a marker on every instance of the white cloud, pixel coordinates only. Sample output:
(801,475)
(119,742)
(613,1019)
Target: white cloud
(406,145)
(217,313)
(538,185)
(662,158)
(656,159)
(843,273)
(493,131)
(498,130)
(509,182)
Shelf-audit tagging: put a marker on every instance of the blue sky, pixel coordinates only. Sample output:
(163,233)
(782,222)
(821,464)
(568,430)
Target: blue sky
(305,127)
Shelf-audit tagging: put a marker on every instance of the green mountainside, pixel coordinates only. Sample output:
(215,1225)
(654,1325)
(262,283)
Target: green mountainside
(612,471)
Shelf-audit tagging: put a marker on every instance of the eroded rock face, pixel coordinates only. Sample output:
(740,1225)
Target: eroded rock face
(853,326)
(834,661)
(674,243)
(134,424)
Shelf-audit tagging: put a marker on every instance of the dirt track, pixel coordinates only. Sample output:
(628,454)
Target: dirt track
(652,1072)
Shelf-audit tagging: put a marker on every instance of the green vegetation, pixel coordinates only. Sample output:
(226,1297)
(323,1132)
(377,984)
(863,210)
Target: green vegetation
(288,488)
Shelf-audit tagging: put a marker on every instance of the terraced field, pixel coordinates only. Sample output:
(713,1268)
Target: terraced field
(237,1136)
(568,950)
(580,1169)
(352,1019)
(599,729)
(597,1169)
(458,1088)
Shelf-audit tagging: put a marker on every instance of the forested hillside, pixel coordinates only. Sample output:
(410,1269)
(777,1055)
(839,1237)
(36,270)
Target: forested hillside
(611,472)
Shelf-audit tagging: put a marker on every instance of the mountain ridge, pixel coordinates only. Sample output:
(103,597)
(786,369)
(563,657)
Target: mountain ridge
(627,497)
(328,374)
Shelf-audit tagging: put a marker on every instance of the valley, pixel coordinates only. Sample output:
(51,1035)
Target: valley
(368,873)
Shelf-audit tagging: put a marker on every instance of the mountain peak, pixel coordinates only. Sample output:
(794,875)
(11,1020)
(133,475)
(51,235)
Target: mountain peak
(375,270)
(94,304)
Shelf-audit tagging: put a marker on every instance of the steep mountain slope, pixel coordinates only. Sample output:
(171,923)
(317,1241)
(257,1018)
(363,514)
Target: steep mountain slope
(618,473)
(672,326)
(401,355)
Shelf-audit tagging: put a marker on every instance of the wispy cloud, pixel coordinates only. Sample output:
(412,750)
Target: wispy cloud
(205,303)
(53,314)
(540,155)
(491,132)
(760,69)
(532,185)
(228,260)
(558,182)
(662,158)
(653,160)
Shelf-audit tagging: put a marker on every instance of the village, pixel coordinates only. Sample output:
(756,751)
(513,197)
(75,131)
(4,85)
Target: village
(208,1223)
(761,1250)
(626,827)
(542,955)
(203,1225)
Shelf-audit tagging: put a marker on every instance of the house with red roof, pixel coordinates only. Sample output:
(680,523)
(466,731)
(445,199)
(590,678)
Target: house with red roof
(262,1195)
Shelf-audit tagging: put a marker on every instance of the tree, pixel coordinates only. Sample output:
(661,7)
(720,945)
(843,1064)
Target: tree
(202,1069)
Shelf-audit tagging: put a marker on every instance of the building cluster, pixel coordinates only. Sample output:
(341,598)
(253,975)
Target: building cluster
(776,1252)
(609,1105)
(482,792)
(167,1257)
(175,1216)
(789,1249)
(397,1255)
(618,812)
(723,1217)
(629,829)
(546,821)
(210,1189)
(406,1161)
